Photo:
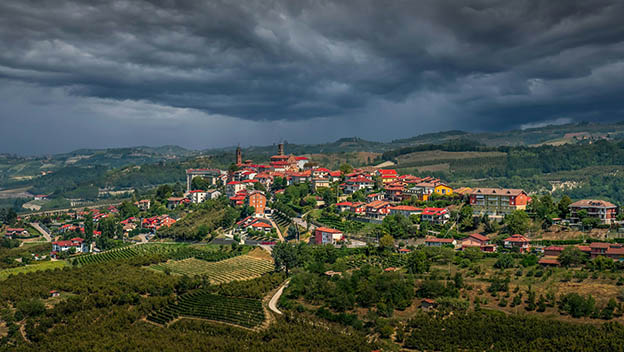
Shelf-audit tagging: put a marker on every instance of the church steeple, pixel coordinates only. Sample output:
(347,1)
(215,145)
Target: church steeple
(239,156)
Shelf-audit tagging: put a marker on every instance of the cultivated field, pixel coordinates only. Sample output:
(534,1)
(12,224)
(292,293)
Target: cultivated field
(34,267)
(239,311)
(243,267)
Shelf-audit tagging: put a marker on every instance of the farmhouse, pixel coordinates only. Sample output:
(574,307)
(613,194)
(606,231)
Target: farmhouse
(16,232)
(478,241)
(435,215)
(358,183)
(377,209)
(325,235)
(553,251)
(517,241)
(77,243)
(439,242)
(405,210)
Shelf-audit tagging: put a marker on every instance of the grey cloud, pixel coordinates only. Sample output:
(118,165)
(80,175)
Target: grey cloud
(488,63)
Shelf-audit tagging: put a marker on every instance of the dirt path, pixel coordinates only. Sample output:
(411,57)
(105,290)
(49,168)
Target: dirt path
(22,330)
(276,297)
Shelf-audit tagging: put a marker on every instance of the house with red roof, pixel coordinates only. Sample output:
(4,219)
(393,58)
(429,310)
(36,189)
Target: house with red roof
(439,242)
(549,261)
(405,210)
(377,210)
(320,172)
(297,178)
(252,223)
(553,251)
(265,179)
(387,175)
(301,162)
(354,207)
(355,184)
(611,250)
(519,242)
(325,235)
(233,187)
(334,176)
(604,211)
(477,240)
(77,243)
(344,206)
(435,215)
(16,232)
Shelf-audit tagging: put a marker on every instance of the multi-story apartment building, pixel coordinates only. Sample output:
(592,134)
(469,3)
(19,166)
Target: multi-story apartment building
(498,201)
(603,210)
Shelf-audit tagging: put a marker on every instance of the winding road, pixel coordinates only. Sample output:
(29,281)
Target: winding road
(276,297)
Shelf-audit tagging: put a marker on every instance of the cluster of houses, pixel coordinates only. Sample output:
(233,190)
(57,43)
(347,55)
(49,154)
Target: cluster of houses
(391,189)
(256,224)
(12,233)
(521,244)
(614,251)
(75,225)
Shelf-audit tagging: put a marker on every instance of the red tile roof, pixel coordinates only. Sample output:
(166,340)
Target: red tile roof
(328,230)
(554,248)
(479,237)
(405,208)
(599,245)
(549,261)
(517,238)
(498,191)
(591,203)
(439,240)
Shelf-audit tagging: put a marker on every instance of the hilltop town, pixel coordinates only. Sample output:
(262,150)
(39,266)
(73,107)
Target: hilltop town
(292,224)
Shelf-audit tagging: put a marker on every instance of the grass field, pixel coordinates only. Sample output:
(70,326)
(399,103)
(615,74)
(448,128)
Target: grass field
(243,267)
(34,267)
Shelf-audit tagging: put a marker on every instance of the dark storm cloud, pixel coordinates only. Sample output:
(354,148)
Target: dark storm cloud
(463,64)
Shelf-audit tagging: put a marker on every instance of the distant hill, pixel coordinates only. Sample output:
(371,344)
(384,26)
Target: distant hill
(452,154)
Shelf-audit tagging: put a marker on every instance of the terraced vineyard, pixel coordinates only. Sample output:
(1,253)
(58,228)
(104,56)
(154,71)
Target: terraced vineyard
(348,226)
(280,219)
(243,267)
(170,251)
(114,254)
(239,311)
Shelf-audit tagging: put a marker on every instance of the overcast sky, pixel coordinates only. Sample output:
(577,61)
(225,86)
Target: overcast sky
(200,74)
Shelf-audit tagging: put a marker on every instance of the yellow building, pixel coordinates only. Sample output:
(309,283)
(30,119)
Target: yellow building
(443,189)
